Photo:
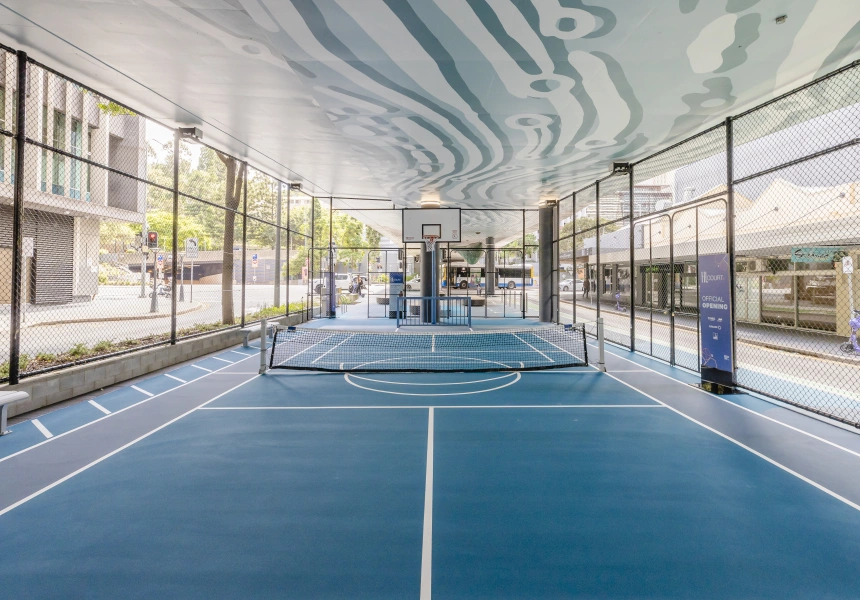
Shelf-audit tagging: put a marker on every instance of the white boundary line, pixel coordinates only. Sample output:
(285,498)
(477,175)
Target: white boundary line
(450,383)
(744,446)
(533,348)
(512,382)
(100,407)
(176,378)
(332,348)
(120,449)
(425,406)
(142,391)
(427,540)
(114,413)
(42,429)
(744,408)
(222,359)
(204,368)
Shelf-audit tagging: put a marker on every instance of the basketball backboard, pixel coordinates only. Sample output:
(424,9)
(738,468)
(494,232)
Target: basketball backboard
(444,222)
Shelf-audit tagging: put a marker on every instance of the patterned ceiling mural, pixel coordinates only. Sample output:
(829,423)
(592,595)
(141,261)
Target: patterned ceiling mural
(505,102)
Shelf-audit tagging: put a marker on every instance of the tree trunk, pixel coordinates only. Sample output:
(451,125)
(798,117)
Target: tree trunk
(232,196)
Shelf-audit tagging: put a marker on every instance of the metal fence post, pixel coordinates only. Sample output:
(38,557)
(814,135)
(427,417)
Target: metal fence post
(175,257)
(18,225)
(278,250)
(631,185)
(672,289)
(730,238)
(598,276)
(244,235)
(573,251)
(289,241)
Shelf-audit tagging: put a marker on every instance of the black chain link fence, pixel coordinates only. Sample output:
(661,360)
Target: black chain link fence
(101,188)
(790,216)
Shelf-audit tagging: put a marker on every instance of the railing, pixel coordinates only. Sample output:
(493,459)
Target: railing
(434,310)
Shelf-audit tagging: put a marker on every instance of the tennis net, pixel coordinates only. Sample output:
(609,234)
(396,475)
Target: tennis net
(503,350)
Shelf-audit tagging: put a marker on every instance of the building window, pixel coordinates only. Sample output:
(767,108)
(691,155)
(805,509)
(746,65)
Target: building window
(44,152)
(75,165)
(58,170)
(89,157)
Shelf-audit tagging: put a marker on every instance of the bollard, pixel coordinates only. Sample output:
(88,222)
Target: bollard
(262,346)
(601,365)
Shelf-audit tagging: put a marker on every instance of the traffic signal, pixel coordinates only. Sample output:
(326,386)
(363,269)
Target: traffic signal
(152,239)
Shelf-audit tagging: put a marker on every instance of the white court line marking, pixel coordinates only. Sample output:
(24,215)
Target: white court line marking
(142,391)
(332,348)
(450,383)
(346,376)
(744,446)
(42,429)
(120,449)
(100,407)
(427,541)
(433,344)
(533,348)
(744,408)
(174,377)
(203,368)
(237,352)
(56,437)
(308,348)
(423,406)
(222,359)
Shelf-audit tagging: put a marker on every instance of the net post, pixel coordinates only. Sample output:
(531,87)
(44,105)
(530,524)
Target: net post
(263,365)
(601,364)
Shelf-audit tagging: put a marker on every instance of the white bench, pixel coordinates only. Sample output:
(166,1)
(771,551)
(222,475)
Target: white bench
(7,398)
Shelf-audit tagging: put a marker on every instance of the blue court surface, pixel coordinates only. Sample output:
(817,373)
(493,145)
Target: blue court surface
(566,483)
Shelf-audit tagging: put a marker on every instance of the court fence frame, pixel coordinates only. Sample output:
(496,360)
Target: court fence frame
(631,241)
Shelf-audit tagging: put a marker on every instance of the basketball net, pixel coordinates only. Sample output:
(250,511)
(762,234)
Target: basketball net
(430,242)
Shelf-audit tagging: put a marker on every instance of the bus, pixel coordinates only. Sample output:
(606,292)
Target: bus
(464,276)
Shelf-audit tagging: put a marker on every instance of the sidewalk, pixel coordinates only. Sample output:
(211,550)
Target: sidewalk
(104,307)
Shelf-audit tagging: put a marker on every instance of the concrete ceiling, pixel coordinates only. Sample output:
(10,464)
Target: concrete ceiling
(482,103)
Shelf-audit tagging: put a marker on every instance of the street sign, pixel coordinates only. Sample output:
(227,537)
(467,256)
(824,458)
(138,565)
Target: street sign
(847,265)
(812,255)
(191,248)
(160,260)
(253,260)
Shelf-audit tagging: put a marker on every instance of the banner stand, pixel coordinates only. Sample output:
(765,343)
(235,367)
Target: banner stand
(715,324)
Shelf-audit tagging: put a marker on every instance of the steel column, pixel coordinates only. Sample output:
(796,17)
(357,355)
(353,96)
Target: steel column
(18,225)
(175,240)
(730,238)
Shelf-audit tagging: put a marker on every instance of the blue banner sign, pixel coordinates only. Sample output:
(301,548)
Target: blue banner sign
(396,277)
(814,255)
(715,311)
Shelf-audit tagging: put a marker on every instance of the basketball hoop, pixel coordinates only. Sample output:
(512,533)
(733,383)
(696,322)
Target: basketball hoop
(430,241)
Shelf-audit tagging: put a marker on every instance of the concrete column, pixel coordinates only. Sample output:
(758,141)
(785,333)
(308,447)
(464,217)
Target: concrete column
(545,216)
(490,267)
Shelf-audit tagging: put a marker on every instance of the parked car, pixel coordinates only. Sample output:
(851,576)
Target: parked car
(567,285)
(415,283)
